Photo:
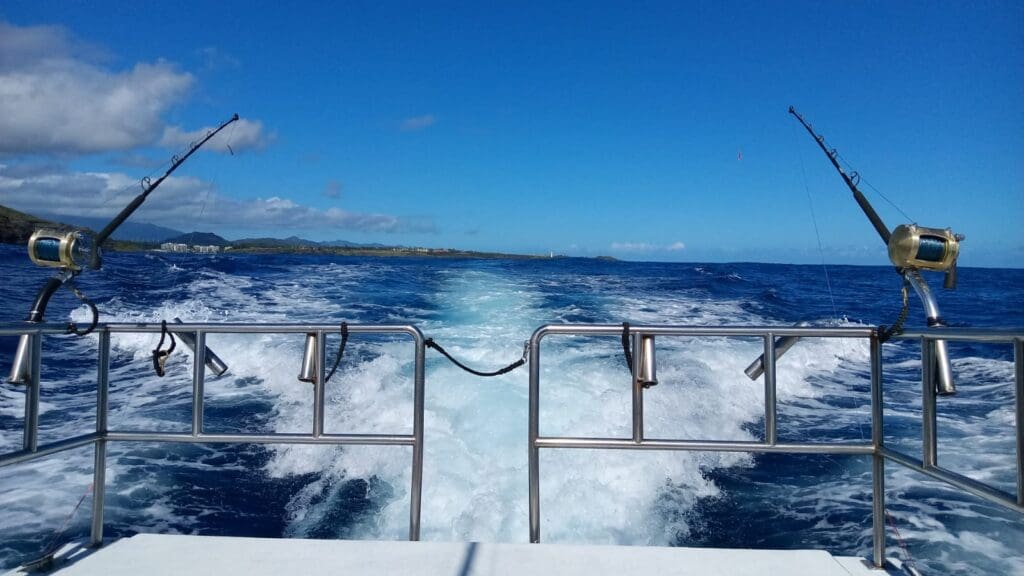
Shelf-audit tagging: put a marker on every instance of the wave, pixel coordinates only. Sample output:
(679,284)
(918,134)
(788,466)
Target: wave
(475,467)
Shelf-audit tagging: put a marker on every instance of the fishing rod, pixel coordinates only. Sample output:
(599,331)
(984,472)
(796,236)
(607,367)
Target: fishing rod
(148,186)
(71,251)
(851,181)
(911,248)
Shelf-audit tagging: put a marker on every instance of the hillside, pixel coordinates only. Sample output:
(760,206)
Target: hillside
(291,241)
(199,239)
(129,230)
(16,227)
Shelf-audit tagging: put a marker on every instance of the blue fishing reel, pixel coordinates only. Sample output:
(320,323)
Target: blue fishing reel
(68,249)
(912,247)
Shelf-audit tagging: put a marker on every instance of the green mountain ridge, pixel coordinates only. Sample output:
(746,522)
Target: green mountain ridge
(16,227)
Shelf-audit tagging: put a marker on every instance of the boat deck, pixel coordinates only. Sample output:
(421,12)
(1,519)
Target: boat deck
(159,555)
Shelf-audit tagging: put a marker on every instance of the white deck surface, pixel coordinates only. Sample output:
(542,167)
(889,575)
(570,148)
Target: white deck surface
(160,555)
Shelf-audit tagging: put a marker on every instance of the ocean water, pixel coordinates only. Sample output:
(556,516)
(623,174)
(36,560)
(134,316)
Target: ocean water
(475,465)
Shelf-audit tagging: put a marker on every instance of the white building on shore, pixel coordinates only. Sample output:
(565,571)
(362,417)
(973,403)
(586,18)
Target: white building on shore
(178,247)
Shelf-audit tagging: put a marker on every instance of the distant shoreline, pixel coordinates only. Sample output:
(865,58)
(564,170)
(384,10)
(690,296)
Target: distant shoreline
(16,227)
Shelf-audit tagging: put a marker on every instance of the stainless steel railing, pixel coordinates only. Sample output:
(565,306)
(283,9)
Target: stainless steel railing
(31,449)
(879,453)
(928,463)
(876,449)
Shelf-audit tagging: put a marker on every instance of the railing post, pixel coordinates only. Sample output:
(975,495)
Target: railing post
(198,382)
(638,389)
(929,444)
(417,432)
(770,403)
(31,437)
(877,460)
(534,433)
(319,386)
(1018,355)
(99,479)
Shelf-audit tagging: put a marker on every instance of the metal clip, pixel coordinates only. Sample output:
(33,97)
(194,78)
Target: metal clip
(160,356)
(160,361)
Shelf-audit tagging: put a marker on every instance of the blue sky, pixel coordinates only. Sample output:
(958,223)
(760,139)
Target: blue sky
(646,131)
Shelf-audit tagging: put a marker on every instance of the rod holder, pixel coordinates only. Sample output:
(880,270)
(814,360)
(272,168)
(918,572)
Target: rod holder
(942,374)
(213,362)
(647,376)
(782,345)
(21,367)
(308,372)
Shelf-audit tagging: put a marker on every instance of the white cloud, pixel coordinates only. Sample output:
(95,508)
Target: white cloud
(241,135)
(55,97)
(53,100)
(418,123)
(22,47)
(333,189)
(632,247)
(646,247)
(183,203)
(216,59)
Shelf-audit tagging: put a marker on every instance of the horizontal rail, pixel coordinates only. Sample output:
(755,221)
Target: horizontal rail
(48,449)
(18,328)
(966,484)
(699,445)
(733,331)
(330,439)
(961,334)
(184,437)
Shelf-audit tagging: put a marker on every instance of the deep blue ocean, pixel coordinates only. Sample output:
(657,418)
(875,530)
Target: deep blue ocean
(475,466)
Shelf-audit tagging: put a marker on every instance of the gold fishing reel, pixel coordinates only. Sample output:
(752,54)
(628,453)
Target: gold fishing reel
(70,249)
(917,248)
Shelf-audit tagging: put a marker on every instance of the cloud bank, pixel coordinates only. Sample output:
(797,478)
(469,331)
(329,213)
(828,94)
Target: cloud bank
(56,98)
(53,101)
(181,202)
(646,247)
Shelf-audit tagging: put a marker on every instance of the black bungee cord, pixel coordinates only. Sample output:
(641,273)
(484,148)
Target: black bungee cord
(341,351)
(627,353)
(160,356)
(430,343)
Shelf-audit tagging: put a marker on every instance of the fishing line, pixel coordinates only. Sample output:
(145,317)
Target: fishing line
(159,366)
(144,180)
(821,252)
(216,174)
(46,558)
(817,234)
(911,565)
(876,190)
